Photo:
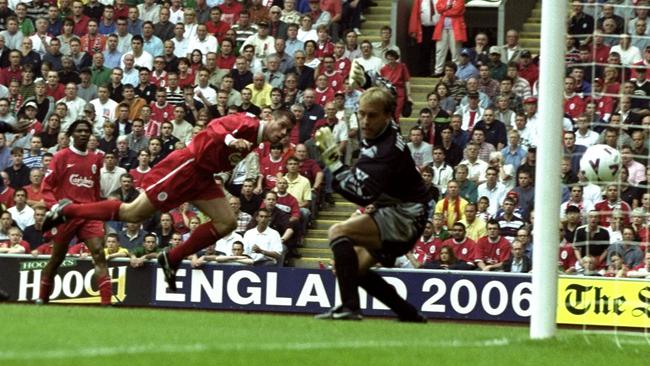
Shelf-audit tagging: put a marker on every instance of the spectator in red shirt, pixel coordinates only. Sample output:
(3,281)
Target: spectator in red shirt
(230,10)
(463,247)
(493,249)
(215,25)
(14,71)
(398,74)
(272,166)
(34,194)
(80,20)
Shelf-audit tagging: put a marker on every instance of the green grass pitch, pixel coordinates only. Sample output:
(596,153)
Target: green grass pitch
(73,335)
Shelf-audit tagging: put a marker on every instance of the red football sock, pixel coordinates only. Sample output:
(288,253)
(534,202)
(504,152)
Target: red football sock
(45,291)
(202,237)
(105,289)
(108,210)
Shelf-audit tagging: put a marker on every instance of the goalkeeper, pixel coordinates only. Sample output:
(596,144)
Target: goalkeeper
(384,175)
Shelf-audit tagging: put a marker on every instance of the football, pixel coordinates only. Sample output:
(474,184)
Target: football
(601,163)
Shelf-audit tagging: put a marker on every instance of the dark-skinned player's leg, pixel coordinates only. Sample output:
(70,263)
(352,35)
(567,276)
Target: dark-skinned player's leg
(59,252)
(102,279)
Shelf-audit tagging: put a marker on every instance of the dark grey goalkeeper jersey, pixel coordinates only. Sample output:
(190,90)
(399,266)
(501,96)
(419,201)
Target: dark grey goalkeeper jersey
(385,173)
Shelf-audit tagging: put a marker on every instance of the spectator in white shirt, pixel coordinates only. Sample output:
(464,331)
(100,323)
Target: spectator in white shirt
(421,151)
(21,212)
(584,135)
(261,243)
(203,41)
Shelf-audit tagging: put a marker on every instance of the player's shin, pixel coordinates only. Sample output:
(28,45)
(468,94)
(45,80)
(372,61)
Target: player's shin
(107,210)
(45,290)
(384,292)
(105,289)
(346,264)
(202,237)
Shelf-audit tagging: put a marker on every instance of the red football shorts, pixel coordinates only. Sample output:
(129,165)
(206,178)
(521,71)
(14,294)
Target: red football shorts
(175,180)
(82,229)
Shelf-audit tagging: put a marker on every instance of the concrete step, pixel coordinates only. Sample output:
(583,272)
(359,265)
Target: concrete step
(529,43)
(316,234)
(532,27)
(385,17)
(325,224)
(311,262)
(315,252)
(334,215)
(382,8)
(320,243)
(341,206)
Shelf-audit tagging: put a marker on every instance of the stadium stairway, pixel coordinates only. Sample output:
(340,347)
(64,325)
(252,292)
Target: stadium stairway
(530,34)
(316,251)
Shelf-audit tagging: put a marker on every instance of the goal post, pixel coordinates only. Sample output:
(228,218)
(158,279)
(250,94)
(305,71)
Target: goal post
(547,175)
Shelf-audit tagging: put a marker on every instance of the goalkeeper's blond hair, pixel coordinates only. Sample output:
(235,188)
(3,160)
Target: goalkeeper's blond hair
(379,95)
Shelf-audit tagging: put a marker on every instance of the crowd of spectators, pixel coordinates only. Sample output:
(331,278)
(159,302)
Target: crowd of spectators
(151,76)
(475,143)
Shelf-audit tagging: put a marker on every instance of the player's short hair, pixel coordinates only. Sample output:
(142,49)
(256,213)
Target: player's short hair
(76,123)
(112,235)
(381,96)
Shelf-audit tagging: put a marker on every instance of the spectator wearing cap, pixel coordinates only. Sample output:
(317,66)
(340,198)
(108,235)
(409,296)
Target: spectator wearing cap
(466,69)
(264,43)
(527,68)
(498,69)
(44,103)
(450,31)
(472,113)
(511,50)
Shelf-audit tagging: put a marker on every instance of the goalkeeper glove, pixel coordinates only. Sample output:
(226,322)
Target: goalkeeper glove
(328,148)
(357,78)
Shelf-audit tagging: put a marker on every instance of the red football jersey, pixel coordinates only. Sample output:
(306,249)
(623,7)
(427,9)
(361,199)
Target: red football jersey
(209,146)
(269,170)
(465,251)
(138,176)
(427,251)
(323,96)
(491,253)
(74,175)
(567,256)
(343,65)
(7,197)
(164,113)
(288,204)
(574,106)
